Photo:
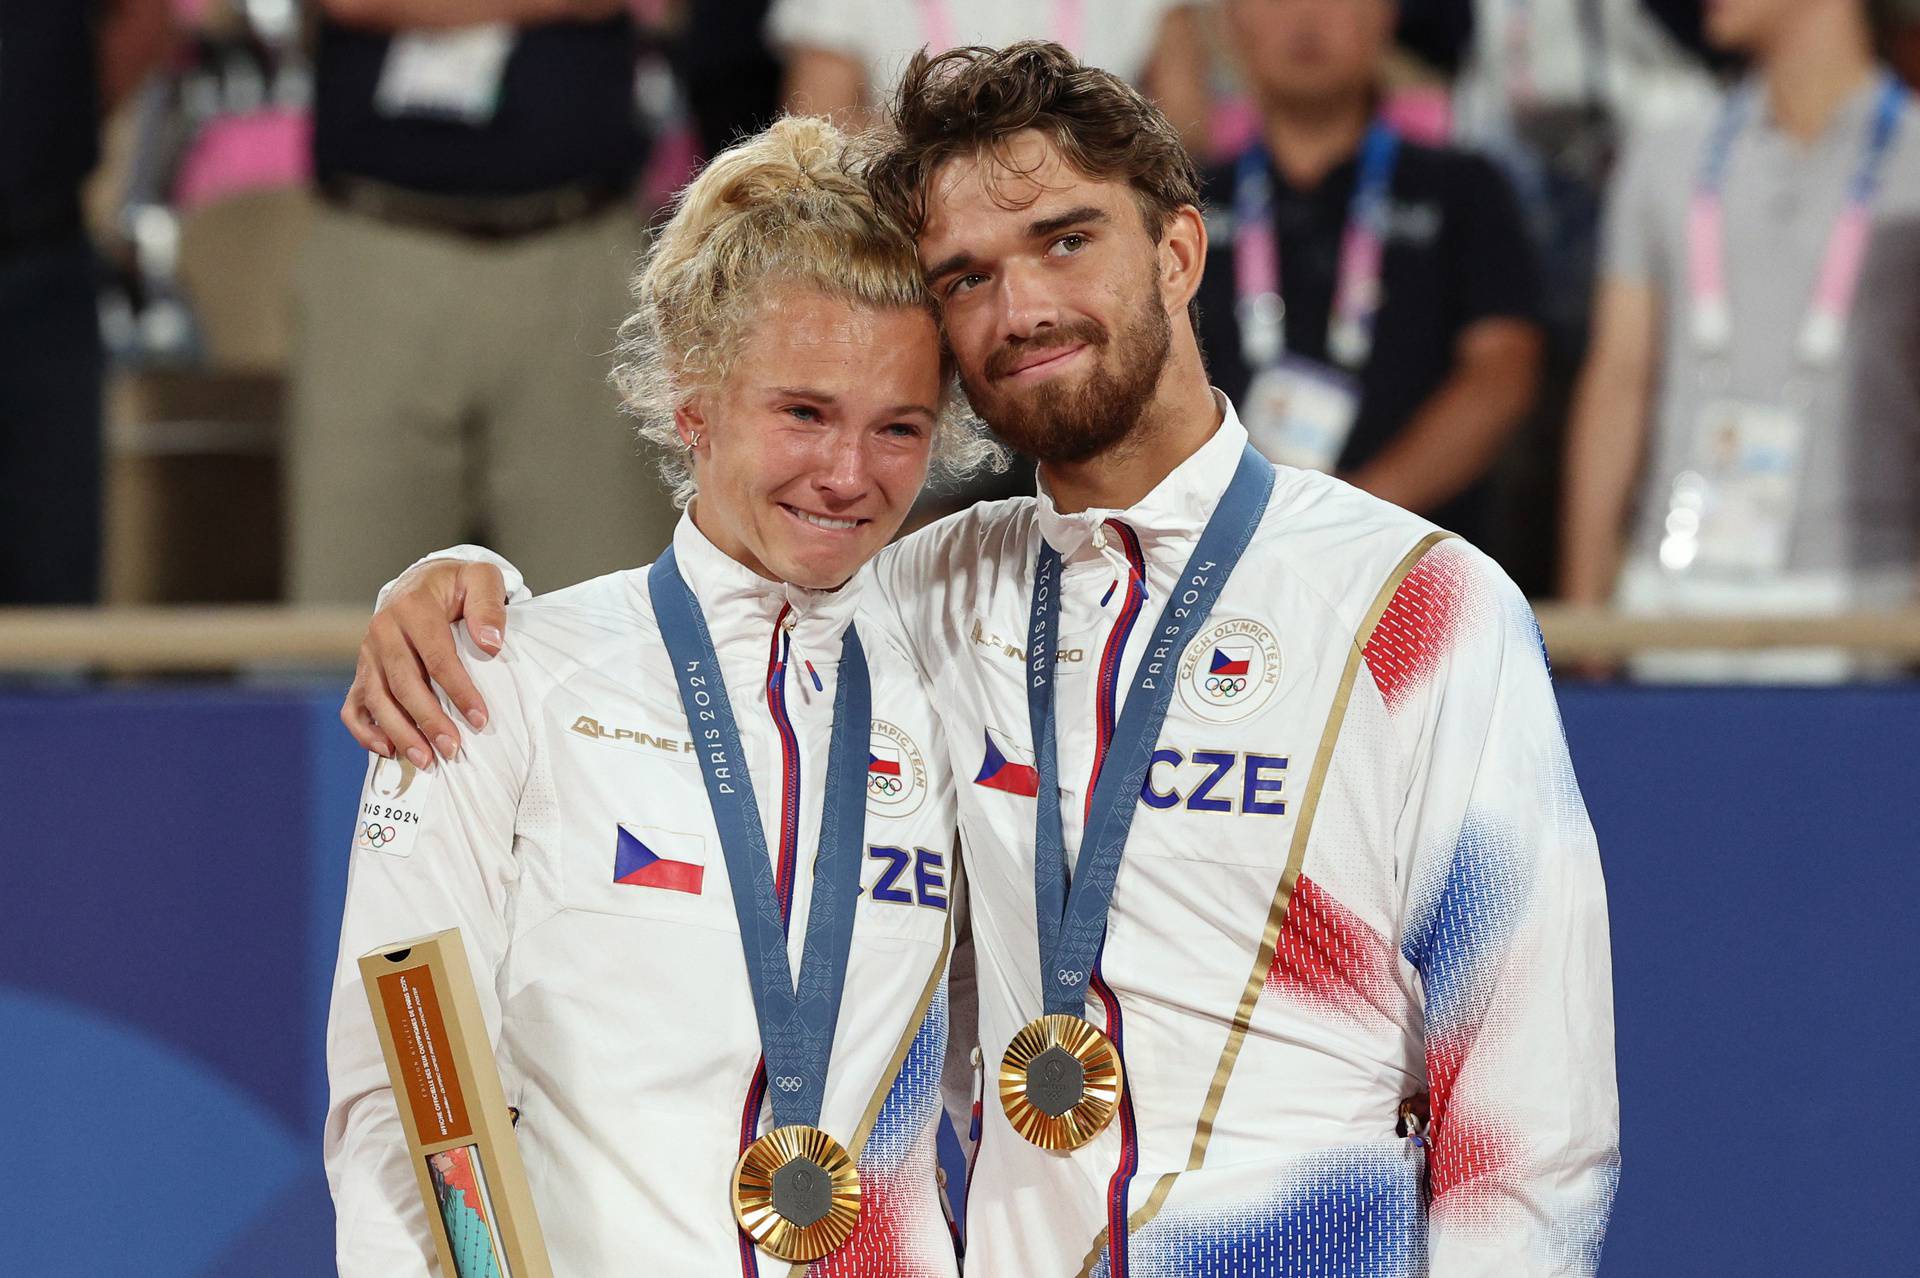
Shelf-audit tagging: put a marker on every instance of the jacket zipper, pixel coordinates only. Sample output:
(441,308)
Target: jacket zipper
(1106,711)
(778,652)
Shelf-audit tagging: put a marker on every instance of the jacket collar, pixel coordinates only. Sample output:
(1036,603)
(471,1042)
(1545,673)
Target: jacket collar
(1168,520)
(742,607)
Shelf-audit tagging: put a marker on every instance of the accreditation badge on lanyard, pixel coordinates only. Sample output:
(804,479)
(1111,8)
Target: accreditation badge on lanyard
(1297,411)
(796,1190)
(451,75)
(1061,1078)
(1732,510)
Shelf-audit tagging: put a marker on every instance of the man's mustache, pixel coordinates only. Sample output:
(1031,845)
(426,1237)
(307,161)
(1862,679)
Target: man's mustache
(1003,361)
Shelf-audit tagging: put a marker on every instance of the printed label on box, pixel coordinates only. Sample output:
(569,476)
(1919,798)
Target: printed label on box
(426,1056)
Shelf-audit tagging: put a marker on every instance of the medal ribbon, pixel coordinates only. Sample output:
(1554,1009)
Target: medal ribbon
(796,1022)
(1073,923)
(1256,255)
(1825,325)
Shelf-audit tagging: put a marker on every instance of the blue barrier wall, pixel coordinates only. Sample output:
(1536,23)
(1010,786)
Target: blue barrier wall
(170,894)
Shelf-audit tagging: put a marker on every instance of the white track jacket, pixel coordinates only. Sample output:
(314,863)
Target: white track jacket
(572,843)
(1362,870)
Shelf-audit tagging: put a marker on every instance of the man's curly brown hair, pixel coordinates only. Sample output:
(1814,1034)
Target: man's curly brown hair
(971,101)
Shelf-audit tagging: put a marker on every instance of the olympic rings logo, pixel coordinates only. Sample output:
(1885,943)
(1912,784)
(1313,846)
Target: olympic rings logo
(888,786)
(788,1082)
(1066,977)
(378,835)
(1228,686)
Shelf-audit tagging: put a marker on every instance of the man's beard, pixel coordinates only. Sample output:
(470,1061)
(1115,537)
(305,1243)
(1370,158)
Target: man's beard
(1060,423)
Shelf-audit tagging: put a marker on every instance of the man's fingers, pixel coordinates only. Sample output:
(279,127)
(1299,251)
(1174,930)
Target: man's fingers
(397,725)
(485,593)
(360,724)
(393,684)
(406,683)
(482,593)
(445,668)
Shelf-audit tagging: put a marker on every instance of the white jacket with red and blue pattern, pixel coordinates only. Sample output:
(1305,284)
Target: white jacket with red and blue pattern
(1361,871)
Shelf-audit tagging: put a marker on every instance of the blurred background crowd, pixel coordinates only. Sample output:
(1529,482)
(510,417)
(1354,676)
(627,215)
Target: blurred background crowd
(1627,291)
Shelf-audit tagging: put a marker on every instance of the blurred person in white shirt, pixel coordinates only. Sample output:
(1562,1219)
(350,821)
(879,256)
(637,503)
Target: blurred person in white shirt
(842,55)
(1746,436)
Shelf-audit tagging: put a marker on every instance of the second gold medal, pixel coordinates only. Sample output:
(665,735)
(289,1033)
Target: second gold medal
(1060,1081)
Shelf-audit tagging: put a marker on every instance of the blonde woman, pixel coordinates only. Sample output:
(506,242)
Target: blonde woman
(703,784)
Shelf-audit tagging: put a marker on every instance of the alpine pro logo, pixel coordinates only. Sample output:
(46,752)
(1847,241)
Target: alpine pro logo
(896,772)
(1230,670)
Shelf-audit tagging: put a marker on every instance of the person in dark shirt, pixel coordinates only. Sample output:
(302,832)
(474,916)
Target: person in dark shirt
(62,65)
(466,274)
(730,76)
(1370,304)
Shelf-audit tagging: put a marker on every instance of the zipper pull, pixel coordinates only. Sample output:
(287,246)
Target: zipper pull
(1415,1118)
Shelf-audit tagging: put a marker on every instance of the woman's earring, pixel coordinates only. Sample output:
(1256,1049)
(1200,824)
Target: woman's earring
(693,440)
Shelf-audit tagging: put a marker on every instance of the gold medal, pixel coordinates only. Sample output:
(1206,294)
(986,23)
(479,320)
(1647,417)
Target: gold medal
(796,1193)
(1060,1081)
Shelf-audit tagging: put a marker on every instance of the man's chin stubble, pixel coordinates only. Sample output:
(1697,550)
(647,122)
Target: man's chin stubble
(1049,427)
(1068,427)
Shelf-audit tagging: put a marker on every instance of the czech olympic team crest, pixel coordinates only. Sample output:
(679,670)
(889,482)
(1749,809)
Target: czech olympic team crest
(896,773)
(1230,670)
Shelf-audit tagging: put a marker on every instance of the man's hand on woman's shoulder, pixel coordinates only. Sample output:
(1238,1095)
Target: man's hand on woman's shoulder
(390,708)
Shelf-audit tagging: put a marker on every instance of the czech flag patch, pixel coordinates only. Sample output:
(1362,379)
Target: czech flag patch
(660,859)
(1231,659)
(1007,767)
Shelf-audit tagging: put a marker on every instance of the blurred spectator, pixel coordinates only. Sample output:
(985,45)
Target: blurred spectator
(730,76)
(1544,88)
(62,66)
(1745,433)
(1369,303)
(461,291)
(1530,69)
(843,56)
